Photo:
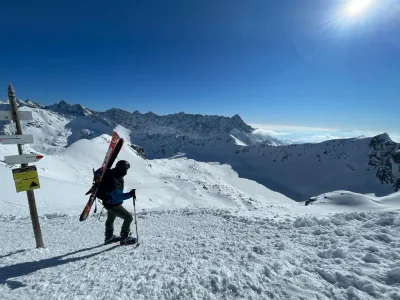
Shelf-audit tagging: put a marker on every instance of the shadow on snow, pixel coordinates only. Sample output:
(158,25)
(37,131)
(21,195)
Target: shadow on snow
(26,268)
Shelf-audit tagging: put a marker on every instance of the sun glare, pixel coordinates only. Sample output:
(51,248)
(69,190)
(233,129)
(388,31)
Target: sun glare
(357,7)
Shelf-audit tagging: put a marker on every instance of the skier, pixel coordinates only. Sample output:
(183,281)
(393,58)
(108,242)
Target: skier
(111,191)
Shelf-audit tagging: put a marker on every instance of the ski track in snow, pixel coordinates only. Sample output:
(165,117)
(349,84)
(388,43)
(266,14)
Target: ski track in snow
(205,254)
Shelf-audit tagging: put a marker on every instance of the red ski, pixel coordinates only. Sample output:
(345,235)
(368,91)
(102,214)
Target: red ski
(112,152)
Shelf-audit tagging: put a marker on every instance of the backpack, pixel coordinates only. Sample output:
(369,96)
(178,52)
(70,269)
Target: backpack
(101,192)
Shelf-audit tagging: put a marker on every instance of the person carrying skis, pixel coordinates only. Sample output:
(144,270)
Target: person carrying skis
(111,192)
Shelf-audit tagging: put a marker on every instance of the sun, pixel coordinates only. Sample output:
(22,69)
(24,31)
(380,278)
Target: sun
(357,7)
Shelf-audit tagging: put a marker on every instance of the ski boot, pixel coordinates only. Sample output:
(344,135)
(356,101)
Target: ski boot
(127,239)
(111,239)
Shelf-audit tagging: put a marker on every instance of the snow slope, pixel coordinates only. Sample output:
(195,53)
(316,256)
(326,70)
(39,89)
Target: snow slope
(205,254)
(363,165)
(179,182)
(205,233)
(354,201)
(47,127)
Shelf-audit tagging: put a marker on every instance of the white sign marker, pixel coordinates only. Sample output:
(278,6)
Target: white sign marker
(23,115)
(16,139)
(22,159)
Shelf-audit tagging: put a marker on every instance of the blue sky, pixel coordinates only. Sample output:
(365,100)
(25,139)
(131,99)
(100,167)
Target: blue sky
(301,63)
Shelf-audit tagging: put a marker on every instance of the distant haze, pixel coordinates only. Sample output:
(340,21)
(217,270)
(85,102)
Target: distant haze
(299,134)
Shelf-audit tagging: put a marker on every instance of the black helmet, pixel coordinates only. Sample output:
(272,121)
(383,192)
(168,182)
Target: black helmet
(122,165)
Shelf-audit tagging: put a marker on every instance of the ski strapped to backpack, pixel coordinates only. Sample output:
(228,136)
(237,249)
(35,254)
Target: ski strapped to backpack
(112,153)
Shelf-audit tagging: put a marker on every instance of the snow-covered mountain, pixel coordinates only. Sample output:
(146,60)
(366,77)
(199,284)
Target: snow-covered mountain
(363,165)
(148,127)
(181,124)
(165,136)
(64,108)
(48,127)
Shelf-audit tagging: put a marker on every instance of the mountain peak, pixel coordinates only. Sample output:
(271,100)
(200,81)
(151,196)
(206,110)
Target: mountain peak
(383,137)
(380,139)
(75,110)
(33,104)
(114,109)
(236,116)
(238,120)
(150,113)
(27,103)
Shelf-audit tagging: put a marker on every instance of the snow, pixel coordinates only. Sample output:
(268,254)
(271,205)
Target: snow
(363,165)
(371,258)
(202,254)
(205,232)
(237,141)
(356,202)
(48,129)
(164,183)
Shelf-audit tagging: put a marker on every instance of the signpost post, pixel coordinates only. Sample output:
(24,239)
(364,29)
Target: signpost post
(25,178)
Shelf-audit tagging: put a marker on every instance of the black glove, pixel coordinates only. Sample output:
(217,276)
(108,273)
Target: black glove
(133,193)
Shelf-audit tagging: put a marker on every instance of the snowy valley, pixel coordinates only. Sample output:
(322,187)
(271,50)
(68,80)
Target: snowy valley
(221,212)
(300,171)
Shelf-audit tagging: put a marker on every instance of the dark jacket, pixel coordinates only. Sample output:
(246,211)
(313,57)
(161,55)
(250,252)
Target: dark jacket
(111,189)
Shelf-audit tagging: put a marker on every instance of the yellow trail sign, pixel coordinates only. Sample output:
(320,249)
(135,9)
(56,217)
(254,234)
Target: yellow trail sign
(27,184)
(25,173)
(26,178)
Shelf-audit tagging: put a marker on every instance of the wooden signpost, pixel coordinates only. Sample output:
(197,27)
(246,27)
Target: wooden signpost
(25,178)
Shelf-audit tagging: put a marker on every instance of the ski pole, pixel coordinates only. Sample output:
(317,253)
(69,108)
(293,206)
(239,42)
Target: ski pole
(100,213)
(134,209)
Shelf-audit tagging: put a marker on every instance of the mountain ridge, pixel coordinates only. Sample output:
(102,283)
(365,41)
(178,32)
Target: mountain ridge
(299,171)
(191,125)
